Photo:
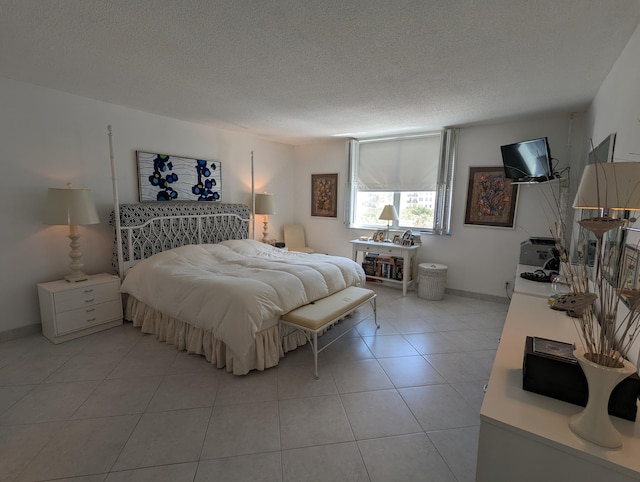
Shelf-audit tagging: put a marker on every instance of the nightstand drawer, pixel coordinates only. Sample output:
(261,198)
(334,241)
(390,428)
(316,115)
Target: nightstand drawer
(91,315)
(86,296)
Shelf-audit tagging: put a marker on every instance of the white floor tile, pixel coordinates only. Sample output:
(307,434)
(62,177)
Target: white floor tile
(458,448)
(410,371)
(75,450)
(404,458)
(312,421)
(328,463)
(254,467)
(165,438)
(159,473)
(128,407)
(439,407)
(243,428)
(359,376)
(19,445)
(378,414)
(49,402)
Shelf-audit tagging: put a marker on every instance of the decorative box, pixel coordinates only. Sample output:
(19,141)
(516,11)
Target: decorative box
(550,369)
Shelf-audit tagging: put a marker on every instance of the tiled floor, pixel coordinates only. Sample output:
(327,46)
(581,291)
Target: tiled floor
(398,404)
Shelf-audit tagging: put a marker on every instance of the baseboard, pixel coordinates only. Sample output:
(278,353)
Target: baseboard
(478,296)
(20,332)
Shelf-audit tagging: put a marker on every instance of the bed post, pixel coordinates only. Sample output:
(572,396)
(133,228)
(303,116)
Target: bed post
(116,206)
(253,202)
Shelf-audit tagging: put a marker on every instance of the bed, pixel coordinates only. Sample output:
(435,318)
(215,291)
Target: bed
(193,279)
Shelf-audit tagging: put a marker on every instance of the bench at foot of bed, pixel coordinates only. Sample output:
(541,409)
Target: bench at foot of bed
(318,316)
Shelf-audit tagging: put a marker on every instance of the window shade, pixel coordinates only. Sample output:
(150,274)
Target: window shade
(402,164)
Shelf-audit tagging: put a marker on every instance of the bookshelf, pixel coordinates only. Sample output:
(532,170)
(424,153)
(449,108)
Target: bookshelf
(387,262)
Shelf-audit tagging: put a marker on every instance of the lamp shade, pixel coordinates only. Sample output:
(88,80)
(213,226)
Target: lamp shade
(389,213)
(70,207)
(265,204)
(610,185)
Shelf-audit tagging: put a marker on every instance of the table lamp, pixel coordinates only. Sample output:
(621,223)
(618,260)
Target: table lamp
(265,205)
(71,207)
(609,185)
(388,214)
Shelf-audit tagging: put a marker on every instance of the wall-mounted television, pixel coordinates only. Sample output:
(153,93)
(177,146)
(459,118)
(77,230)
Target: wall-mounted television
(528,161)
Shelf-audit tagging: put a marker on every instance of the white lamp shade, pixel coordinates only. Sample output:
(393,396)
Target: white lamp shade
(70,207)
(265,204)
(610,185)
(389,213)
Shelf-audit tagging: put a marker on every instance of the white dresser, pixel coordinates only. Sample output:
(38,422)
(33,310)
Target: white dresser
(70,310)
(525,436)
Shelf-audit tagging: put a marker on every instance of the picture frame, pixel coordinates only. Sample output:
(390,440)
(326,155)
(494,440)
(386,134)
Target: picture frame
(165,177)
(379,236)
(614,250)
(491,198)
(397,239)
(407,238)
(324,195)
(629,272)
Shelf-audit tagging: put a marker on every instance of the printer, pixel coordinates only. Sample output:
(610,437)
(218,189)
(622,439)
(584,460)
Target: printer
(538,252)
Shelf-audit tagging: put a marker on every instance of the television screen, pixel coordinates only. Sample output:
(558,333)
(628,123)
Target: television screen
(527,160)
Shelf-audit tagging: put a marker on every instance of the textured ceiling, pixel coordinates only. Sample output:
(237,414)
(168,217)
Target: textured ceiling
(298,71)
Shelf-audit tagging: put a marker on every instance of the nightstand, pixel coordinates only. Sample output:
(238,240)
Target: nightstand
(70,310)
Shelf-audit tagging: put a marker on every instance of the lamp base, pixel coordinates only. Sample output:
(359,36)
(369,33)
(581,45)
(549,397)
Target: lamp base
(75,277)
(76,255)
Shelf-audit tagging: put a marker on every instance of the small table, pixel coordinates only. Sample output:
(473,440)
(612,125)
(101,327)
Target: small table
(407,253)
(69,310)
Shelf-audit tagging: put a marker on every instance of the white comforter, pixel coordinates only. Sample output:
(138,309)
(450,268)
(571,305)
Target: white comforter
(234,287)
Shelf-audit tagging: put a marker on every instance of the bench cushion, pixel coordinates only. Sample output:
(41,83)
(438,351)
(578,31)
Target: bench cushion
(317,314)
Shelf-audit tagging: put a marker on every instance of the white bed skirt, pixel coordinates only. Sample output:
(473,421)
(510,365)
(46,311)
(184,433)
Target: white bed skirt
(269,345)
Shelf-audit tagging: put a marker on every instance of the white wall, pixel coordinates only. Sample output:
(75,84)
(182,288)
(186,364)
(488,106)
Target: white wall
(480,259)
(50,138)
(616,108)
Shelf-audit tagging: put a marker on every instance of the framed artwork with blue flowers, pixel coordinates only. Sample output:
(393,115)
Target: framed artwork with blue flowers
(163,177)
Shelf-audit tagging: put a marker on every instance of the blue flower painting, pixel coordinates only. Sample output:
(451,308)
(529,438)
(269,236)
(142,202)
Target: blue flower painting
(164,177)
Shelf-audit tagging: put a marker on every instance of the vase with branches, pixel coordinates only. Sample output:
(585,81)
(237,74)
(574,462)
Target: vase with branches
(595,291)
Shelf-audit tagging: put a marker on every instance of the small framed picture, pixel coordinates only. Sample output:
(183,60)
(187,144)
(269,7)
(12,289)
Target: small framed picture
(378,236)
(406,238)
(397,239)
(629,274)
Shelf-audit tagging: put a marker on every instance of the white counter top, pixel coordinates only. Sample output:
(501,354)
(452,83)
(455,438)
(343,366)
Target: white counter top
(531,288)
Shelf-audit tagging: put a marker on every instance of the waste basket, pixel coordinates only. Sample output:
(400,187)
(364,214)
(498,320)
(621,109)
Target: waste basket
(431,281)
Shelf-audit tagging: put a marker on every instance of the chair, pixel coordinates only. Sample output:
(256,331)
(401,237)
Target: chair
(294,238)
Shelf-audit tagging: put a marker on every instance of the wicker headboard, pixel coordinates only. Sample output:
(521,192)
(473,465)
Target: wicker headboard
(149,228)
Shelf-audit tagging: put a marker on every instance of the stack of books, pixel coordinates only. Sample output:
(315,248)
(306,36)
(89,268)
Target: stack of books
(383,266)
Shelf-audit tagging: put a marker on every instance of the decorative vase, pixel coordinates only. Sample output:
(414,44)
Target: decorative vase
(593,423)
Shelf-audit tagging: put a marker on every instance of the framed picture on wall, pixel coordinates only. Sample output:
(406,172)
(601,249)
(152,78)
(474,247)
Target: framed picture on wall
(629,274)
(324,195)
(491,198)
(163,177)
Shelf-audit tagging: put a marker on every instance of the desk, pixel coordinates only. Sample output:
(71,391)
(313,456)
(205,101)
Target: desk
(525,436)
(408,253)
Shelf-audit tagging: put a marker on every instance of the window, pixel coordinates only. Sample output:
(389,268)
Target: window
(413,173)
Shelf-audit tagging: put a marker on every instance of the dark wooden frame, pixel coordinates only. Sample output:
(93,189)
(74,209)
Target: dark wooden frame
(324,195)
(491,198)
